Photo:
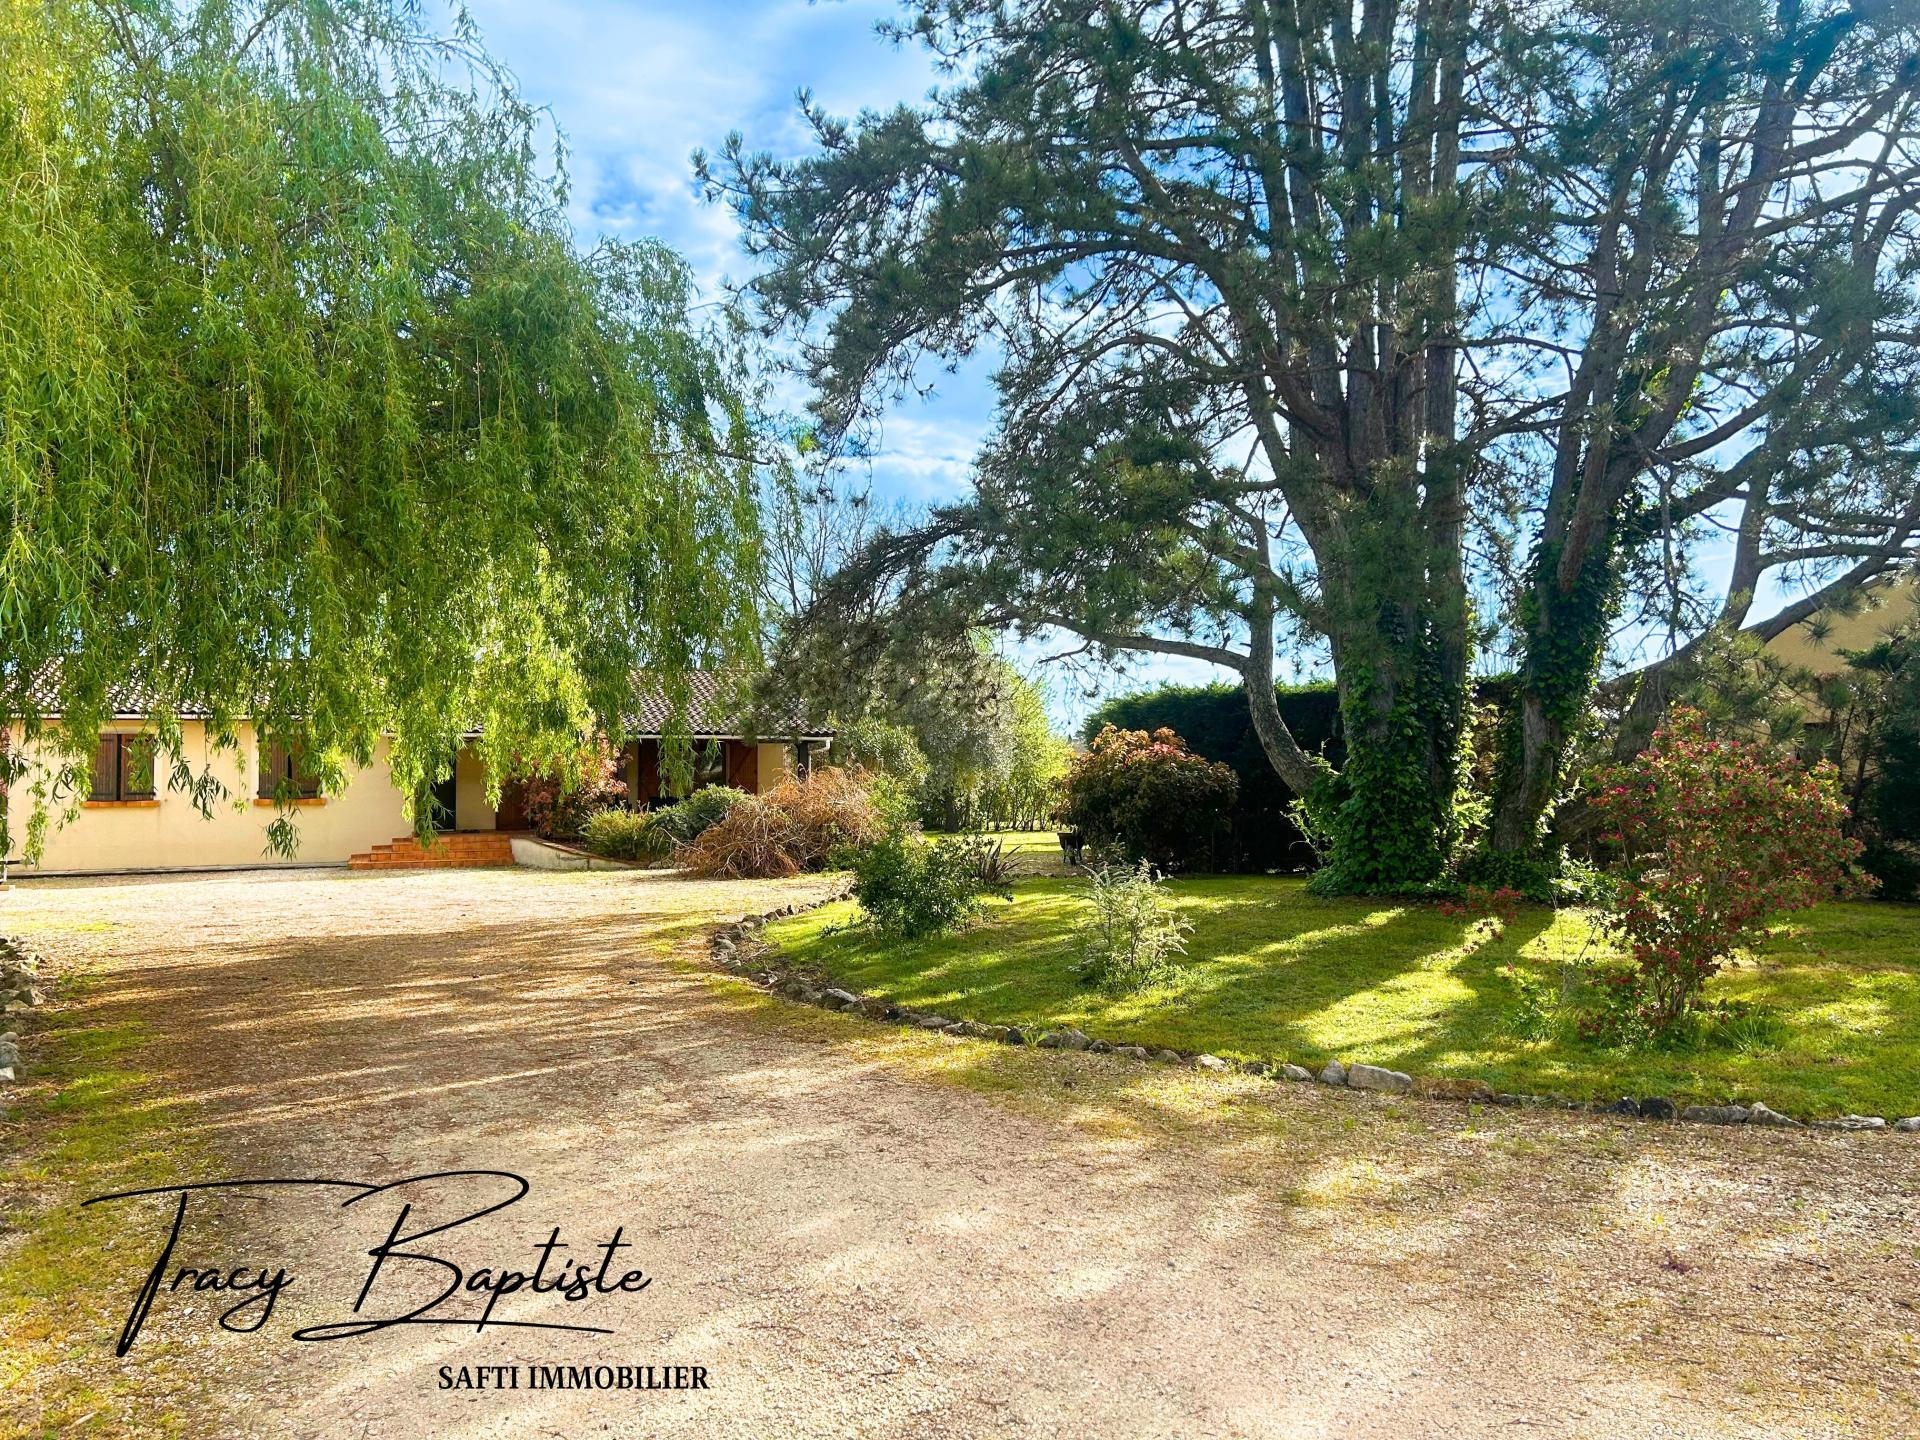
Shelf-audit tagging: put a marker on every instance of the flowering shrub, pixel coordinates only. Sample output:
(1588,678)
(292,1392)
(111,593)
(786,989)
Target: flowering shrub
(1149,798)
(557,806)
(1717,838)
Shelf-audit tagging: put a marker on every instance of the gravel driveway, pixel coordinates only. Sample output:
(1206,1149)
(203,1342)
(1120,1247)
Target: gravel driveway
(861,1231)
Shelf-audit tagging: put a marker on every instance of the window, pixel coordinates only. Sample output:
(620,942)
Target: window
(280,762)
(123,768)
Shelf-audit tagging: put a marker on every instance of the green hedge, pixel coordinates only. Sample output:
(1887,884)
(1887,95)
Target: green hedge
(1215,722)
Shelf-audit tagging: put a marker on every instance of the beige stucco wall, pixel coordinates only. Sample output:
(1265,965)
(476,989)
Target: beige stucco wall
(470,808)
(776,764)
(171,834)
(1891,607)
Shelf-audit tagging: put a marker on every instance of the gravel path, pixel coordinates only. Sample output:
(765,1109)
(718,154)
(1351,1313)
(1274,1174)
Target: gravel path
(862,1231)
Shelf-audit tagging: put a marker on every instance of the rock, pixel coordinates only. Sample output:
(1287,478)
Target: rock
(973,1030)
(1296,1072)
(1374,1077)
(6,1074)
(958,1028)
(9,1053)
(1656,1107)
(840,999)
(1132,1052)
(1716,1114)
(1852,1122)
(1255,1067)
(994,1032)
(1759,1114)
(933,1022)
(1015,1035)
(1167,1057)
(1908,1126)
(1474,1090)
(1334,1074)
(1625,1105)
(1099,1047)
(1211,1062)
(1508,1099)
(1068,1039)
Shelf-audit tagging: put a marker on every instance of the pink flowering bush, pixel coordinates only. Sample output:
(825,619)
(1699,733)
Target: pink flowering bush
(1717,838)
(1135,796)
(557,804)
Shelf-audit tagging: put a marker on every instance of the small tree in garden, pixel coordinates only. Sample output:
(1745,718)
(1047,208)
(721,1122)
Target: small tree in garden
(1717,838)
(1148,797)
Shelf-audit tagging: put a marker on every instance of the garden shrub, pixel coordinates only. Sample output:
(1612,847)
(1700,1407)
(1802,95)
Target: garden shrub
(911,889)
(686,819)
(1214,720)
(626,835)
(1148,798)
(828,811)
(753,841)
(1131,937)
(557,806)
(1717,838)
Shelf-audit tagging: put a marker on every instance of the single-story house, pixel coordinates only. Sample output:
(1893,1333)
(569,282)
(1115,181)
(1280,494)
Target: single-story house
(131,821)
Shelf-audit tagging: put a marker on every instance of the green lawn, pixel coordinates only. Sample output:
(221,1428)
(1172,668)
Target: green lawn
(1279,974)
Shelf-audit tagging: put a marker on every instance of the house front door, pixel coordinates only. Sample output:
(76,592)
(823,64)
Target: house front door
(512,814)
(445,793)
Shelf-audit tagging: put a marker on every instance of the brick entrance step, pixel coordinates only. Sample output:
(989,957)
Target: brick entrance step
(457,849)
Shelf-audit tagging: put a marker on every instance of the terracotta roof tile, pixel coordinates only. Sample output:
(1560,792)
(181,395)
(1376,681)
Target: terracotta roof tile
(710,713)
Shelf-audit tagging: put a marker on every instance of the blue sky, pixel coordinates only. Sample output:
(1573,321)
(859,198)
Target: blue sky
(636,86)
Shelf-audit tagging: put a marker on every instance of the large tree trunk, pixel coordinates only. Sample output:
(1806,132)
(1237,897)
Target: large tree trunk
(1566,614)
(1398,627)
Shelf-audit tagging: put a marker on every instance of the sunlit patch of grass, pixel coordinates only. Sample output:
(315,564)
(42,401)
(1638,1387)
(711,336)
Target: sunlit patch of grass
(1279,974)
(94,1124)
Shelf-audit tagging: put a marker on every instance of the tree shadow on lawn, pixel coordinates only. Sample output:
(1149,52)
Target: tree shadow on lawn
(1271,974)
(1278,974)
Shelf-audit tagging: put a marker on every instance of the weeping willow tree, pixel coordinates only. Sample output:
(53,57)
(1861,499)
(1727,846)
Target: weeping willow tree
(312,414)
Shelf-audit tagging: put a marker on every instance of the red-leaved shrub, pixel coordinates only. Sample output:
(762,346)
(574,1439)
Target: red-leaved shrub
(1148,797)
(559,810)
(1717,838)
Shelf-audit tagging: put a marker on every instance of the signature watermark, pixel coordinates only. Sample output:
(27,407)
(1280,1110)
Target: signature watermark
(412,1259)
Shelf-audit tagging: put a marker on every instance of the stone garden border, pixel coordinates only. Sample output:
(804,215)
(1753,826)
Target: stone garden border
(740,948)
(19,992)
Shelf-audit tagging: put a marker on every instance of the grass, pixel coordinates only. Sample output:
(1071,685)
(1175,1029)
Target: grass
(1279,974)
(95,1123)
